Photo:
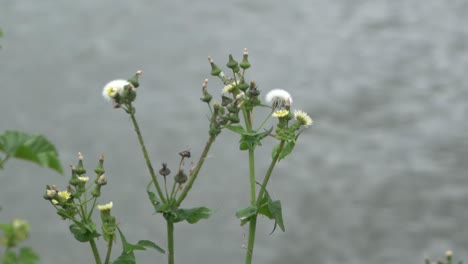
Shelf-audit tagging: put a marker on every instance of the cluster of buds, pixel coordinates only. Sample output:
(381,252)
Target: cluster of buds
(66,199)
(237,93)
(181,177)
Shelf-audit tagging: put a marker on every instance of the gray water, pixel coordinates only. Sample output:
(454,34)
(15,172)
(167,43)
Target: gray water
(379,178)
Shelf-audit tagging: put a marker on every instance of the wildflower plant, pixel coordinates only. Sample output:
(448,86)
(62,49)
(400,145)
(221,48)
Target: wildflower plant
(234,111)
(79,201)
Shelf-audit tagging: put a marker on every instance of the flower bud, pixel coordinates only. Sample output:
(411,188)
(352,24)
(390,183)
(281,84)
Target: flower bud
(50,194)
(216,107)
(215,70)
(96,192)
(134,80)
(80,170)
(181,177)
(101,180)
(245,60)
(185,154)
(225,100)
(232,64)
(99,170)
(206,96)
(164,171)
(243,86)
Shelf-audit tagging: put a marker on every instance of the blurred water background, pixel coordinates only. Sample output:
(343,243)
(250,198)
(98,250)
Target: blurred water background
(380,177)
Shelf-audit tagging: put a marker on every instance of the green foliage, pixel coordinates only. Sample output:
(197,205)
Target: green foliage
(84,232)
(127,256)
(13,234)
(249,139)
(272,210)
(36,149)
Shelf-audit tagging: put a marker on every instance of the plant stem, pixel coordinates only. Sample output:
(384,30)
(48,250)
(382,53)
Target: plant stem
(252,176)
(109,250)
(170,242)
(145,153)
(251,242)
(97,258)
(270,170)
(194,175)
(253,220)
(253,203)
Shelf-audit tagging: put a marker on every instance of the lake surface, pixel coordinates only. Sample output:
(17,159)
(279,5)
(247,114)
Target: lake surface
(381,176)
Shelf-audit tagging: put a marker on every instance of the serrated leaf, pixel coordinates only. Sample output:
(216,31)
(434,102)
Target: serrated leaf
(192,215)
(36,149)
(245,213)
(150,244)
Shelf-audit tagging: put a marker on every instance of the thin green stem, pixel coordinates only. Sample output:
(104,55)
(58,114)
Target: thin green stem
(165,189)
(252,176)
(170,242)
(173,193)
(109,250)
(264,121)
(251,242)
(195,172)
(270,170)
(97,258)
(92,208)
(145,153)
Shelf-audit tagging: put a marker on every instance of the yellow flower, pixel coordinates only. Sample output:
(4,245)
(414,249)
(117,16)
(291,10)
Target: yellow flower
(64,195)
(303,118)
(105,207)
(229,88)
(55,201)
(280,113)
(83,179)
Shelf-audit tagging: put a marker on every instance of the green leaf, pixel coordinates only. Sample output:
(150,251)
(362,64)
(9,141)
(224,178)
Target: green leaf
(192,215)
(83,232)
(125,258)
(150,244)
(285,151)
(275,209)
(127,248)
(27,256)
(245,213)
(272,210)
(36,149)
(237,129)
